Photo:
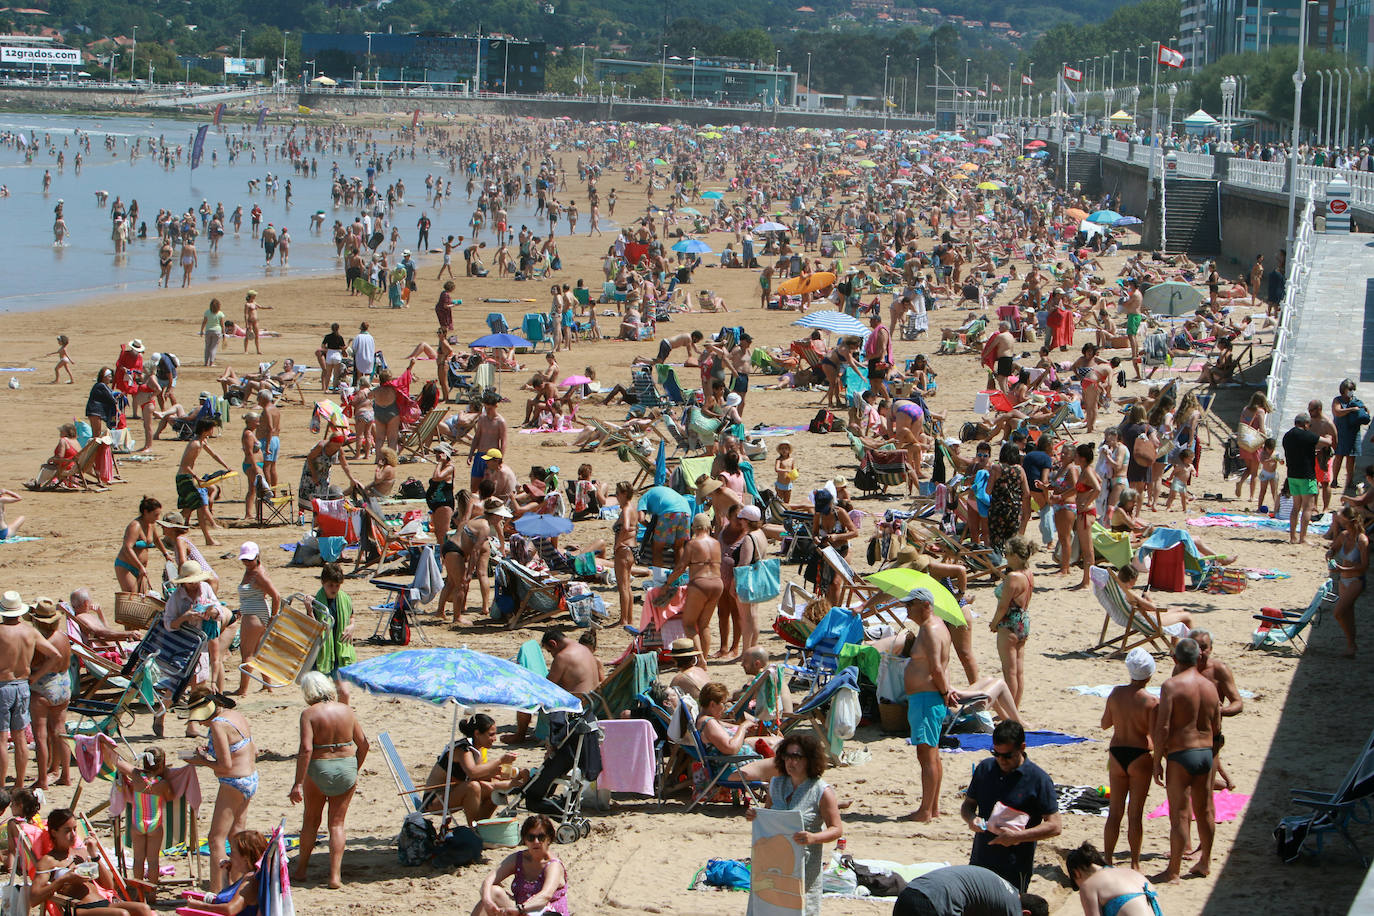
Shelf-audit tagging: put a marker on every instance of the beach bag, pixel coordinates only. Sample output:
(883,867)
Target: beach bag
(728,873)
(1166,570)
(1291,833)
(845,713)
(460,846)
(1249,438)
(417,841)
(759,581)
(307,553)
(412,489)
(1144,452)
(1231,462)
(822,422)
(1227,581)
(15,899)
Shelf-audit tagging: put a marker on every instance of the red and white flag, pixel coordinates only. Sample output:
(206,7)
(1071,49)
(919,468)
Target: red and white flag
(1072,75)
(982,94)
(996,88)
(1027,81)
(1169,57)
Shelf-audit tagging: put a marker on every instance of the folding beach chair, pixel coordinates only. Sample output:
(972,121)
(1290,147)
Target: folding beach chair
(605,435)
(719,771)
(647,467)
(851,586)
(819,660)
(672,386)
(379,541)
(646,395)
(1119,613)
(630,677)
(536,327)
(274,507)
(979,561)
(701,429)
(814,709)
(290,643)
(175,655)
(1331,811)
(1285,628)
(416,440)
(496,323)
(534,597)
(405,787)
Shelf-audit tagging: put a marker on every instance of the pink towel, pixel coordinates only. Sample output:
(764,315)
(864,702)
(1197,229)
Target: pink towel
(627,756)
(88,755)
(1226,803)
(185,781)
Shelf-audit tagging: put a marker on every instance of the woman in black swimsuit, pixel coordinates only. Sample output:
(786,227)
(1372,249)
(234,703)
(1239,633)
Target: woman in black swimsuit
(439,494)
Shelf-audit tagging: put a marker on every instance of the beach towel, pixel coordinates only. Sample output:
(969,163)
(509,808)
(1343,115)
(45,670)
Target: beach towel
(1227,804)
(1082,800)
(1104,690)
(1241,520)
(627,752)
(1033,739)
(18,540)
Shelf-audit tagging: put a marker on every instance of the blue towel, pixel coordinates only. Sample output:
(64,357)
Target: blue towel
(1033,739)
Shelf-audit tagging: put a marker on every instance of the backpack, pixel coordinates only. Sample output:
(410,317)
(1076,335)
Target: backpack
(416,844)
(460,846)
(822,422)
(412,489)
(867,482)
(1231,462)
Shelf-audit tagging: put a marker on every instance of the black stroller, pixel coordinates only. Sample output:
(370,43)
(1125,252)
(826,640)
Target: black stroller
(573,764)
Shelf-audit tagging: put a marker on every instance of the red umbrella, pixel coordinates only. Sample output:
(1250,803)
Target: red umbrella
(1035,144)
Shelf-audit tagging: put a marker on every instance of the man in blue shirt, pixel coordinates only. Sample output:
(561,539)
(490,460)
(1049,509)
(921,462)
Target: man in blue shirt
(1009,780)
(967,890)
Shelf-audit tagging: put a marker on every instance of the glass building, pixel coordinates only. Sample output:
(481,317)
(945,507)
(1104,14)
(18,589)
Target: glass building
(505,64)
(736,82)
(1212,29)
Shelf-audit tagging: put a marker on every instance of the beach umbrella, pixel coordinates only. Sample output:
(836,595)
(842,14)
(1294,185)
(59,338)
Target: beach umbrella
(692,246)
(990,186)
(1172,298)
(712,195)
(543,526)
(868,164)
(661,465)
(690,211)
(831,321)
(1039,154)
(461,678)
(770,226)
(904,182)
(1036,144)
(1105,217)
(502,341)
(969,166)
(575,380)
(898,581)
(1127,221)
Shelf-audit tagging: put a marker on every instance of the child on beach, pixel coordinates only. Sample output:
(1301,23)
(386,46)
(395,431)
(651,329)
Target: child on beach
(23,806)
(64,362)
(148,790)
(1180,475)
(786,471)
(1269,472)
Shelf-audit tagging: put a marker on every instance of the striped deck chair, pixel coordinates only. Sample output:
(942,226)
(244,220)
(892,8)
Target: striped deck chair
(537,597)
(672,385)
(290,644)
(174,653)
(646,394)
(701,429)
(417,439)
(605,435)
(1119,613)
(405,786)
(644,478)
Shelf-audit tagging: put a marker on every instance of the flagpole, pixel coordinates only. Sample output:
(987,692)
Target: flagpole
(1154,122)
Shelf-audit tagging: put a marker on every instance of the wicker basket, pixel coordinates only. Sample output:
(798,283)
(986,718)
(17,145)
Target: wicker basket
(136,611)
(893,719)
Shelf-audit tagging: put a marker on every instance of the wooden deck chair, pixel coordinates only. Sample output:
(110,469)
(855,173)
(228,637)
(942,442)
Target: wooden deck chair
(1134,624)
(417,439)
(175,655)
(851,586)
(274,507)
(808,355)
(405,786)
(701,429)
(484,377)
(83,471)
(379,541)
(290,644)
(1058,423)
(647,469)
(981,562)
(180,840)
(646,394)
(291,381)
(605,435)
(538,597)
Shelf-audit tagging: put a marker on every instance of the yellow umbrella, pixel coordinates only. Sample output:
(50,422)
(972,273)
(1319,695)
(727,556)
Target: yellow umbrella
(989,186)
(842,172)
(868,163)
(969,167)
(898,581)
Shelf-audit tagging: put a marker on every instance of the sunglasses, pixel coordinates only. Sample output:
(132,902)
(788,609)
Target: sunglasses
(1006,755)
(536,837)
(793,755)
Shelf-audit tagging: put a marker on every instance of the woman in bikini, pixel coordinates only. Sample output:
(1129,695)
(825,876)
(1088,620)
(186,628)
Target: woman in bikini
(1348,558)
(908,422)
(1011,622)
(240,895)
(332,750)
(1088,370)
(1253,417)
(386,408)
(626,533)
(1107,889)
(833,366)
(78,872)
(232,756)
(50,690)
(472,543)
(1086,489)
(701,561)
(131,563)
(1063,481)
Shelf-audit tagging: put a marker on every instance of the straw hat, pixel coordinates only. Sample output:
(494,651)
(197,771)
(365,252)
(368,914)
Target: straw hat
(190,572)
(12,605)
(708,486)
(495,506)
(174,521)
(136,345)
(684,647)
(45,611)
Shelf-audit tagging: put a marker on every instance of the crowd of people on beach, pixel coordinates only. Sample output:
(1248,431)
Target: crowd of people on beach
(875,249)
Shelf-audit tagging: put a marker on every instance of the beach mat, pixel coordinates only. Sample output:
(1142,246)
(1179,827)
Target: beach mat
(1227,804)
(1033,739)
(19,540)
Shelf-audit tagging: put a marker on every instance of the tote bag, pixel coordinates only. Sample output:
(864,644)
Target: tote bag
(759,581)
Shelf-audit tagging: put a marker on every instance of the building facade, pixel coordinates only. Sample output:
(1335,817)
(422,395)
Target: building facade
(728,81)
(491,64)
(1212,29)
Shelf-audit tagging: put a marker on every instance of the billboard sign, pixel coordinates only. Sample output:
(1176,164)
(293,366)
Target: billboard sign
(244,66)
(40,55)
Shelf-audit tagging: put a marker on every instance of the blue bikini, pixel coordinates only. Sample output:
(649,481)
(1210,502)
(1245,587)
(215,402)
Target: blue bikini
(245,785)
(1113,906)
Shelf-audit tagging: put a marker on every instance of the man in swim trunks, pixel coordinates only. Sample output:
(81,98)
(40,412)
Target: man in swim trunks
(20,646)
(1134,306)
(1187,734)
(269,435)
(191,496)
(926,684)
(489,433)
(687,341)
(999,354)
(1224,679)
(1130,714)
(1323,428)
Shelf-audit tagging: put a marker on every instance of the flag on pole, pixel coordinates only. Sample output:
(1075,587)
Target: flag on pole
(1026,80)
(262,117)
(982,94)
(219,113)
(1072,75)
(996,88)
(1170,58)
(415,119)
(198,147)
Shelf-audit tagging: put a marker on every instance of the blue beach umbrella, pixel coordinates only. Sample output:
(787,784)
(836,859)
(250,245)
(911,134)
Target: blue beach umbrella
(1127,221)
(712,195)
(1104,217)
(543,526)
(692,246)
(501,341)
(833,322)
(460,677)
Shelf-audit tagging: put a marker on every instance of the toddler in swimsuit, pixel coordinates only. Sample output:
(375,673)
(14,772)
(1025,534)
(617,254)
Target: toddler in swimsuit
(1180,475)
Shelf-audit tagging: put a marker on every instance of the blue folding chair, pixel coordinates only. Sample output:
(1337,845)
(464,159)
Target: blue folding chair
(721,770)
(818,662)
(535,327)
(1331,811)
(496,322)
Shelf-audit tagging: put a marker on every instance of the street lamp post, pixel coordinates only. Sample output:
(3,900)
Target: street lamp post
(133,54)
(1173,94)
(777,62)
(367,69)
(808,77)
(1269,30)
(1240,34)
(916,92)
(241,31)
(694,75)
(662,70)
(1299,77)
(886,58)
(505,70)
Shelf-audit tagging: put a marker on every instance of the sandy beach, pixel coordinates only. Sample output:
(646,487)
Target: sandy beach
(1294,731)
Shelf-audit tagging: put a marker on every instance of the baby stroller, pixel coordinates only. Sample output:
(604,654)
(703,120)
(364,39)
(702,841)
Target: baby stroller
(572,766)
